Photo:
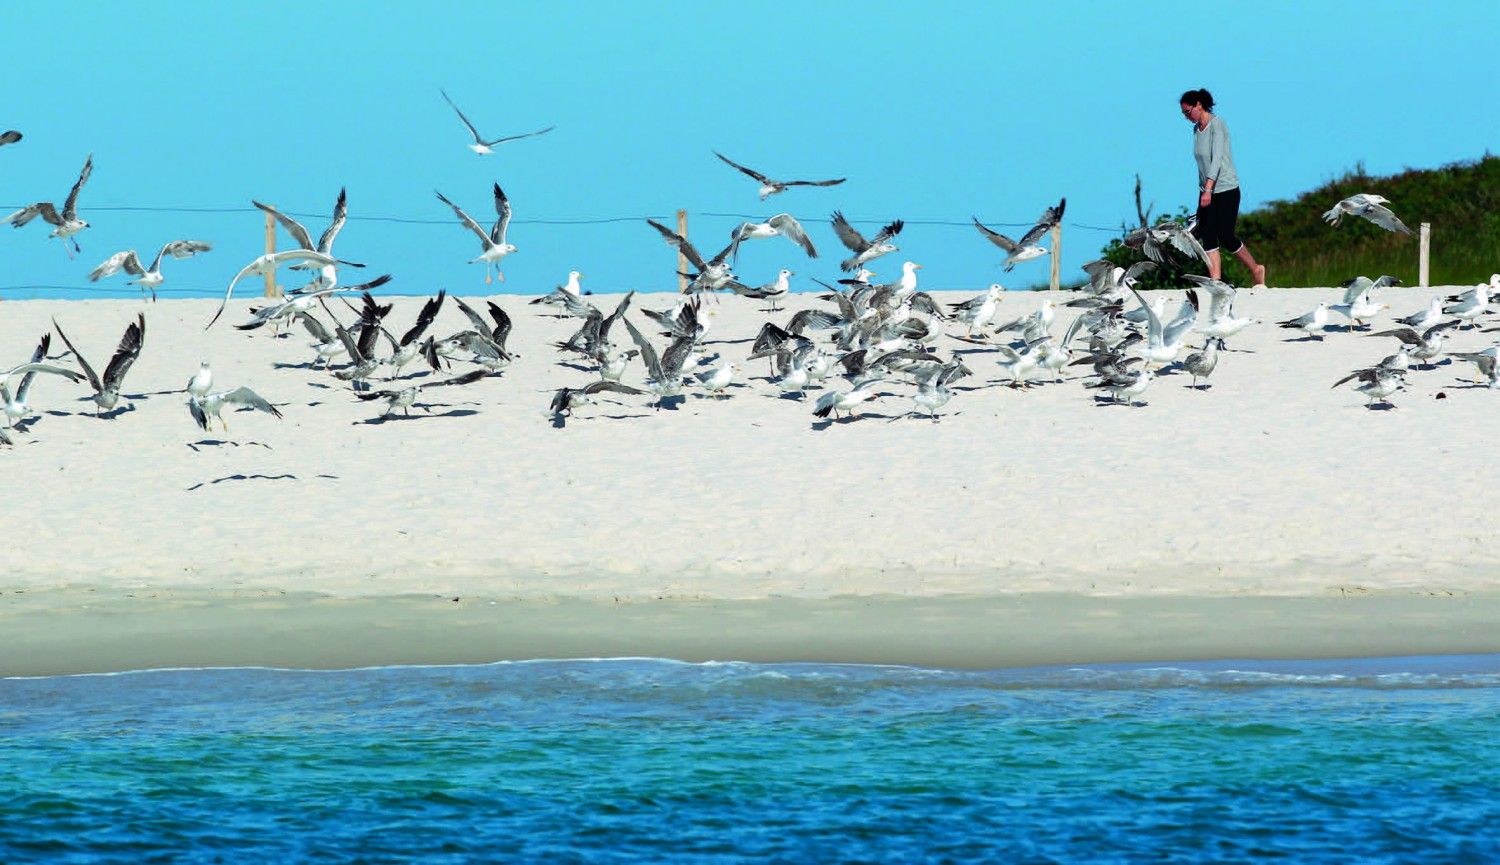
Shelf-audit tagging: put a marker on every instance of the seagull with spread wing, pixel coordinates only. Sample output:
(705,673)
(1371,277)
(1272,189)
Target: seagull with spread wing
(769,187)
(492,243)
(782,225)
(864,250)
(149,277)
(406,397)
(212,405)
(713,274)
(481,145)
(107,391)
(328,276)
(1027,247)
(14,405)
(1367,206)
(268,263)
(65,224)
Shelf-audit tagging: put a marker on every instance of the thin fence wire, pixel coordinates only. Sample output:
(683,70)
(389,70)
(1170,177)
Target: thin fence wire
(200,291)
(561,220)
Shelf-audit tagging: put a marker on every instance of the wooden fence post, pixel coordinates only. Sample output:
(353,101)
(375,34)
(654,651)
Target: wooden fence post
(1423,249)
(682,262)
(272,289)
(1056,280)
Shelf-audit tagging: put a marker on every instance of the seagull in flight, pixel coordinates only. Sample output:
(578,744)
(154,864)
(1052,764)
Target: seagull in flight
(150,277)
(65,224)
(328,278)
(107,392)
(782,224)
(1371,207)
(482,146)
(864,250)
(14,406)
(769,187)
(492,243)
(267,264)
(568,398)
(1026,248)
(212,405)
(406,397)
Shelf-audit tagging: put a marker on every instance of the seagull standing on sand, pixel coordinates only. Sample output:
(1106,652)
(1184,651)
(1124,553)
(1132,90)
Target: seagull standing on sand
(406,397)
(1222,322)
(771,291)
(846,401)
(1201,364)
(107,391)
(566,295)
(979,311)
(1027,247)
(1471,307)
(1358,305)
(150,277)
(769,187)
(493,244)
(1371,207)
(482,146)
(65,224)
(1376,383)
(1425,346)
(864,250)
(15,406)
(1311,323)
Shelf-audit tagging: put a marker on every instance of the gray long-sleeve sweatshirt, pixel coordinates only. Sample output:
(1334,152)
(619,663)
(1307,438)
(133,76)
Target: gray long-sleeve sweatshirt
(1215,158)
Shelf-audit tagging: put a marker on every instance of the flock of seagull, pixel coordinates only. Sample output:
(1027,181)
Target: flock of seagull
(869,337)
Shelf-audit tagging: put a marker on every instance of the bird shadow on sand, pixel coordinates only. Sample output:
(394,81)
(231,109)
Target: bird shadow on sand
(1380,406)
(237,477)
(390,418)
(1106,402)
(218,443)
(1303,339)
(824,424)
(567,364)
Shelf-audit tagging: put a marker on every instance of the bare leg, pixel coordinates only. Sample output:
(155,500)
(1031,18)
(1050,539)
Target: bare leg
(1257,271)
(1214,267)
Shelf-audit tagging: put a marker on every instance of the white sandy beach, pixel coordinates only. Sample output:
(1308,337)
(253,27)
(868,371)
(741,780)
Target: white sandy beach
(1268,485)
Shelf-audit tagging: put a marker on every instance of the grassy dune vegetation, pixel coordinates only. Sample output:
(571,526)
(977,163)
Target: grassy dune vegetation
(1461,201)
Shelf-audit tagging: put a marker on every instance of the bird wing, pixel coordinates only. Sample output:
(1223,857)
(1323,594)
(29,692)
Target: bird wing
(244,396)
(456,110)
(10,136)
(1356,287)
(648,354)
(1153,324)
(87,370)
(195,408)
(1050,217)
(1221,295)
(834,182)
(292,226)
(502,212)
(749,171)
(792,229)
(850,237)
(1186,242)
(340,216)
(681,243)
(502,324)
(126,354)
(428,312)
(467,220)
(1383,217)
(505,138)
(1405,334)
(676,355)
(1187,316)
(619,313)
(70,207)
(466,378)
(996,237)
(613,386)
(177,249)
(112,265)
(314,328)
(475,318)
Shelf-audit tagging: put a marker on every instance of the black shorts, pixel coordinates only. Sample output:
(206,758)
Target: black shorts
(1216,222)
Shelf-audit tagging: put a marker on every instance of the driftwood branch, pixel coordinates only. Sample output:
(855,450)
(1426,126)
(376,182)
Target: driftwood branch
(1144,215)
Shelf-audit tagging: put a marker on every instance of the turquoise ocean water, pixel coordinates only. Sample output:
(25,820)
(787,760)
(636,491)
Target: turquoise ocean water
(636,760)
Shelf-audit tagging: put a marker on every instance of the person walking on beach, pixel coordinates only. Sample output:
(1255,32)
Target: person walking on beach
(1218,186)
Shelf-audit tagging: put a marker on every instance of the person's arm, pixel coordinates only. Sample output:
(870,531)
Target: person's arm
(1216,148)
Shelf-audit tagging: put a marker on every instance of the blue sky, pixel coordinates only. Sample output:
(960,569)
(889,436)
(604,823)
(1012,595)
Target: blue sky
(933,111)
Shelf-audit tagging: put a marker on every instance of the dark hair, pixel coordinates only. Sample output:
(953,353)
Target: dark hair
(1198,97)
